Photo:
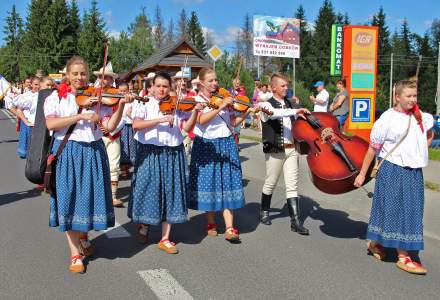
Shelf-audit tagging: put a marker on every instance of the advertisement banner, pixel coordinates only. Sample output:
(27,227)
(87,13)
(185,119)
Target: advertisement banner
(337,49)
(276,36)
(363,59)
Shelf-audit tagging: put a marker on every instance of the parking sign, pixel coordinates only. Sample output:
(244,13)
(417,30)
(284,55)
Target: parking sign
(361,110)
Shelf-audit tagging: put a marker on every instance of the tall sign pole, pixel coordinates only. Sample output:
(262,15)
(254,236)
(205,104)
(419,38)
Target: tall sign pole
(294,77)
(438,81)
(391,80)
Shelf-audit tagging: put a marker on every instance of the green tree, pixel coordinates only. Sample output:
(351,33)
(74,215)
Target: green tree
(59,34)
(321,40)
(74,23)
(302,72)
(92,37)
(435,33)
(141,33)
(384,52)
(36,40)
(247,38)
(195,33)
(10,58)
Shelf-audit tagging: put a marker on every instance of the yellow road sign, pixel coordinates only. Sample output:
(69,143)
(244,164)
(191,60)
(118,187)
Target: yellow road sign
(215,52)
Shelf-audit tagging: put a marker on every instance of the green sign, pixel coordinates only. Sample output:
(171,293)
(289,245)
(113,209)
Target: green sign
(362,81)
(337,49)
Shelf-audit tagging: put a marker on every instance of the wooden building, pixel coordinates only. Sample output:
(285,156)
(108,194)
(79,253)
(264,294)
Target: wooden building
(169,58)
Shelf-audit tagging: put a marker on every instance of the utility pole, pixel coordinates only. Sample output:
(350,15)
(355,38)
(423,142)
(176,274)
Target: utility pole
(293,83)
(438,81)
(391,80)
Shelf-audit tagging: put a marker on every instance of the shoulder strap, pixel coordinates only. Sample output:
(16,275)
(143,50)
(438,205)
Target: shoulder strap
(66,137)
(398,144)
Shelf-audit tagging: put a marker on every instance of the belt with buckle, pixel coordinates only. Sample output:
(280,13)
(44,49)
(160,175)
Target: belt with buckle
(289,146)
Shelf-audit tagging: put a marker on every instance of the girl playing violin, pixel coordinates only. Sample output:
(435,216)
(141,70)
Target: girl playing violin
(83,199)
(215,170)
(158,194)
(396,219)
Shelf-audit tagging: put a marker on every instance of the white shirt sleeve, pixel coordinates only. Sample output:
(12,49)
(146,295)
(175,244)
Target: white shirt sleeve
(52,105)
(278,113)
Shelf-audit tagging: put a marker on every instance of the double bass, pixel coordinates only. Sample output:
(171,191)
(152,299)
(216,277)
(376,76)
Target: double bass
(334,159)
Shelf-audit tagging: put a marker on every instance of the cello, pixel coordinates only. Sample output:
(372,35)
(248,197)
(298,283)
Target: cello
(334,159)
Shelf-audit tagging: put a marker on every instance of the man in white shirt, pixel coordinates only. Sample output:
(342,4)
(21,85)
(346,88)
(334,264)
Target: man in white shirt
(279,152)
(321,100)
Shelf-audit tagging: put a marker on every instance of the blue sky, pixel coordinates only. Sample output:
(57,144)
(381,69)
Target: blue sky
(223,18)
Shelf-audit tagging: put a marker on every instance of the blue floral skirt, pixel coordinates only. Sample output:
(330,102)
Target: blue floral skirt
(84,198)
(215,180)
(24,140)
(396,219)
(128,145)
(158,187)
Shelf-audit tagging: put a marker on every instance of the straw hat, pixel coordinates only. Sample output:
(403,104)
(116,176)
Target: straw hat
(150,75)
(195,80)
(63,71)
(108,71)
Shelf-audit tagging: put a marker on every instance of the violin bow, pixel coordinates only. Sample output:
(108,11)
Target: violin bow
(179,92)
(98,107)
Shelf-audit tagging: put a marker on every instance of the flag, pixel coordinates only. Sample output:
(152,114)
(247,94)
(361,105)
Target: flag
(4,87)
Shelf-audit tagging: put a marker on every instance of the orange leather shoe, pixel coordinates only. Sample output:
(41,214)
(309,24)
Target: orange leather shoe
(408,265)
(76,264)
(168,247)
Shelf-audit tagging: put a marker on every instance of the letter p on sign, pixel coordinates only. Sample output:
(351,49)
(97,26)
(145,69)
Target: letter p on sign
(361,110)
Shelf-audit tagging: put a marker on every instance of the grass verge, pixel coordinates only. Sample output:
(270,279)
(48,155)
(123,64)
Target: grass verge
(434,154)
(432,186)
(252,138)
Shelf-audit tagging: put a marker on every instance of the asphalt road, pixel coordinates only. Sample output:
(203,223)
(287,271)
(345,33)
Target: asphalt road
(271,262)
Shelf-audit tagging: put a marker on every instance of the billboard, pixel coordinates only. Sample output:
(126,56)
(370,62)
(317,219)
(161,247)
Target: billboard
(337,49)
(276,36)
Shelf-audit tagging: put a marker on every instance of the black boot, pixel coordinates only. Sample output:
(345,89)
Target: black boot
(264,211)
(295,223)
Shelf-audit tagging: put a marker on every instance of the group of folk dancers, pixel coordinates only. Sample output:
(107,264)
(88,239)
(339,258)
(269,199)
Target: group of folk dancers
(164,186)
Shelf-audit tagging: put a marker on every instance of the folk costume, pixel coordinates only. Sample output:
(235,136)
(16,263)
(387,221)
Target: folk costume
(215,182)
(83,194)
(27,103)
(396,218)
(159,180)
(281,156)
(128,143)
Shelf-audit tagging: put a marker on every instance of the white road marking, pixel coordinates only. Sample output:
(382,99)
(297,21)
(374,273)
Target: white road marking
(117,232)
(9,116)
(163,284)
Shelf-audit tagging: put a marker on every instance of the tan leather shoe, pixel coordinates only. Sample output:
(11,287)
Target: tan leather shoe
(118,203)
(168,247)
(76,264)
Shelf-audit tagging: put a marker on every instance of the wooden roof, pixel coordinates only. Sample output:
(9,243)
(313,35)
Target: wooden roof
(174,56)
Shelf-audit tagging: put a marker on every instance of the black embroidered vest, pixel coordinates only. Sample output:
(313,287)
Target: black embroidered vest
(273,136)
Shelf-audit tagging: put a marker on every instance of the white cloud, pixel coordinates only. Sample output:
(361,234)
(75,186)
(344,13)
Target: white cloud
(114,34)
(228,36)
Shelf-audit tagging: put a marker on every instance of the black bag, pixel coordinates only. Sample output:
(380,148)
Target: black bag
(41,143)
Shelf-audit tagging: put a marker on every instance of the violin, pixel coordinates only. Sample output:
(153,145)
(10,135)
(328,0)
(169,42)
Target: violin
(240,103)
(110,96)
(334,159)
(169,104)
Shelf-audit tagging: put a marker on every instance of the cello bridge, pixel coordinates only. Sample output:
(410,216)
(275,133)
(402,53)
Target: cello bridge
(327,134)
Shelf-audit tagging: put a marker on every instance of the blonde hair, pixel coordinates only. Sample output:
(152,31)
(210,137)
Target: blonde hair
(405,84)
(278,75)
(77,60)
(204,72)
